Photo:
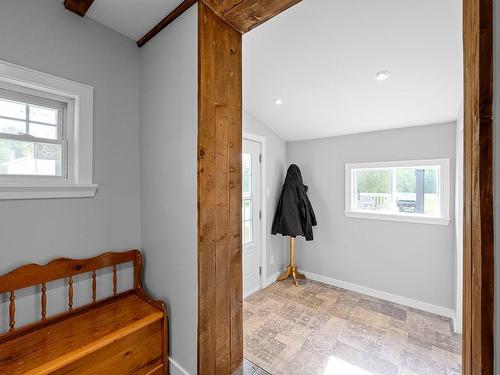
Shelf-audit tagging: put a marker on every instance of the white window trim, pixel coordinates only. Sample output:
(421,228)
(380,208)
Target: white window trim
(444,219)
(79,98)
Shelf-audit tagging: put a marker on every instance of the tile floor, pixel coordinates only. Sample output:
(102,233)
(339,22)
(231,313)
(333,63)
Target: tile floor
(250,368)
(323,330)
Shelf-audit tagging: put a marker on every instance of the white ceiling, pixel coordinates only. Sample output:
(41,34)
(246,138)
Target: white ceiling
(320,58)
(133,18)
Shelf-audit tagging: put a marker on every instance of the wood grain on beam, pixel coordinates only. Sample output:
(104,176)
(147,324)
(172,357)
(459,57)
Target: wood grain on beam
(220,294)
(242,15)
(478,335)
(247,14)
(79,7)
(171,17)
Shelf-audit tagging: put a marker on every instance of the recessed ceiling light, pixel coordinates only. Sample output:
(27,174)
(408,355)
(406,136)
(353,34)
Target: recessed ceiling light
(278,101)
(383,75)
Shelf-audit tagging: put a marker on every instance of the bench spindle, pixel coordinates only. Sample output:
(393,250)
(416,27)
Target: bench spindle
(36,348)
(44,301)
(115,281)
(70,293)
(94,287)
(12,311)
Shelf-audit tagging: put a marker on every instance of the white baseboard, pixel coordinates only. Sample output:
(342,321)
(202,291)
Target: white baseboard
(271,279)
(424,306)
(176,369)
(267,282)
(457,326)
(252,292)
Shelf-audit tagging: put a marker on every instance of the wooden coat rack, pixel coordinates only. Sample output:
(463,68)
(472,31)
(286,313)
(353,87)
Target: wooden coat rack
(292,269)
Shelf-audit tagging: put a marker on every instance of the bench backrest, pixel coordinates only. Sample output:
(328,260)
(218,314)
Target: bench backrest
(34,274)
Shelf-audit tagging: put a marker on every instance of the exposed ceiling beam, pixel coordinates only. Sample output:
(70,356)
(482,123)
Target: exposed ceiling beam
(243,15)
(79,7)
(185,5)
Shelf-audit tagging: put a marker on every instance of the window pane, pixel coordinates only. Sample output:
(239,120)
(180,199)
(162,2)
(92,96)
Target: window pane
(247,232)
(12,126)
(247,175)
(30,158)
(372,190)
(432,199)
(43,131)
(406,197)
(247,164)
(417,190)
(12,109)
(247,210)
(41,114)
(247,186)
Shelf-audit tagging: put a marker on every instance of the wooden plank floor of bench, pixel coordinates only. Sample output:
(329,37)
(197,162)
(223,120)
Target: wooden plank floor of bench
(57,345)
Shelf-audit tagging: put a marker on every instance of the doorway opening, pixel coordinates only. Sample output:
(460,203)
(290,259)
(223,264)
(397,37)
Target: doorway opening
(377,150)
(215,356)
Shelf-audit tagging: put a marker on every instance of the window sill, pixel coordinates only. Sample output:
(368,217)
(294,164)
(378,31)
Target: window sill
(44,191)
(401,218)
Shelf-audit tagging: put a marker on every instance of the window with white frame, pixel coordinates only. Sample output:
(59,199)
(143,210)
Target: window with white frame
(32,136)
(45,135)
(413,191)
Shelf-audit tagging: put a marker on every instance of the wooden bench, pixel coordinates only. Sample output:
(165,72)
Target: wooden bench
(123,334)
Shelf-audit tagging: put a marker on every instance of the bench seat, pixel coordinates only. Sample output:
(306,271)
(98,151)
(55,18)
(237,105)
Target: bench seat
(123,334)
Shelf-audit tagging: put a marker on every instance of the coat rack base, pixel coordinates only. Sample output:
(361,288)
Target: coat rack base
(292,269)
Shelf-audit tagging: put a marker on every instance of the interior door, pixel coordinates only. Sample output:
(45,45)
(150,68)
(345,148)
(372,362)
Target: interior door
(251,212)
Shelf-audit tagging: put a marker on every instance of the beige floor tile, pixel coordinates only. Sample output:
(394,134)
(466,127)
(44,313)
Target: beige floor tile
(298,330)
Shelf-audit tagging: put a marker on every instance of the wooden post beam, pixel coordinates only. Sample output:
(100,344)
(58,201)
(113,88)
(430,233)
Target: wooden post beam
(79,7)
(479,249)
(220,282)
(245,15)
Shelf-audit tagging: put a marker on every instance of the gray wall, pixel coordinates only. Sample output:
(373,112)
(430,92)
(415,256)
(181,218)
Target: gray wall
(168,177)
(275,175)
(417,261)
(42,35)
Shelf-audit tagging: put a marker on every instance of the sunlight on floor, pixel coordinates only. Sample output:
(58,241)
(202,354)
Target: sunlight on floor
(337,366)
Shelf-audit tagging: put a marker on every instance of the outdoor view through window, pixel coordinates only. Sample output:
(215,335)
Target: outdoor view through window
(397,190)
(30,136)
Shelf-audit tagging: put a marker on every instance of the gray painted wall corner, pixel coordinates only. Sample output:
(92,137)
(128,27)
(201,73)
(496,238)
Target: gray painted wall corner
(169,108)
(421,268)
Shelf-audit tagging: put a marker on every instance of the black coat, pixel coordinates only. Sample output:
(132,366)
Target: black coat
(294,214)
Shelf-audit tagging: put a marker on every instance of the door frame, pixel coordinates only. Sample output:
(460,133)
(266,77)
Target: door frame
(263,205)
(478,256)
(478,267)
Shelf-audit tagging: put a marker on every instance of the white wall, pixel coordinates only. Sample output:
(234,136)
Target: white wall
(411,260)
(275,161)
(168,177)
(42,35)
